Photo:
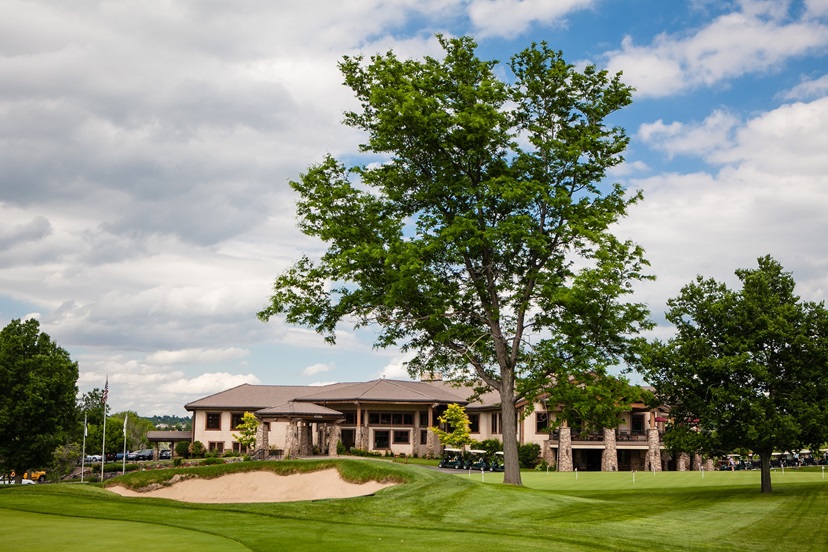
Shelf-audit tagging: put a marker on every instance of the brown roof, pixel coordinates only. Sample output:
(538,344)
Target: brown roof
(291,409)
(168,436)
(385,390)
(250,397)
(262,397)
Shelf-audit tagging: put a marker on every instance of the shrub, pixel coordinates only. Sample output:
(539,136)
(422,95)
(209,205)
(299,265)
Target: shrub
(212,460)
(529,454)
(177,461)
(196,449)
(182,449)
(340,448)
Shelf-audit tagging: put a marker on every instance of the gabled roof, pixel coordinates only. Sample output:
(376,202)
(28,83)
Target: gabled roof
(292,408)
(385,390)
(259,397)
(251,397)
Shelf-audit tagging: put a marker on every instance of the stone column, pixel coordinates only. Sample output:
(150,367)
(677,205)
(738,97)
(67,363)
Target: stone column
(334,436)
(609,458)
(653,462)
(292,440)
(548,453)
(306,439)
(262,440)
(708,465)
(683,462)
(565,449)
(431,439)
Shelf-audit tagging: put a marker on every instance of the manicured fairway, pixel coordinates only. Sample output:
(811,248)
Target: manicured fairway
(27,531)
(555,511)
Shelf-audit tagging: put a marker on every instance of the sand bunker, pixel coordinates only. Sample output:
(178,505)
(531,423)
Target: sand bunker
(260,486)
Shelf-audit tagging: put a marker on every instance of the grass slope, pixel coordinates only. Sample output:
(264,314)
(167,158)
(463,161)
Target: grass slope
(596,511)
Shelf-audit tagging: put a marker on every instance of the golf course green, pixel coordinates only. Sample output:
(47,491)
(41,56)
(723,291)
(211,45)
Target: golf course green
(430,509)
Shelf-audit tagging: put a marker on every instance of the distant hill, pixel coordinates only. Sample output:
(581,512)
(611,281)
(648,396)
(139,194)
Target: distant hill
(171,422)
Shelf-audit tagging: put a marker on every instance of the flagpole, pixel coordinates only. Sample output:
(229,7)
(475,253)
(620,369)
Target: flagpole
(123,466)
(83,452)
(103,443)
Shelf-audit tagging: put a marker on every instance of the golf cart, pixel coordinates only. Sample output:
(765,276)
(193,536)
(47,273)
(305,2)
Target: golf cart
(452,458)
(497,462)
(477,460)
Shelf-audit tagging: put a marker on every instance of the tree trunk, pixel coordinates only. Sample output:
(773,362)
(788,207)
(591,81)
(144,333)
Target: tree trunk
(764,459)
(511,462)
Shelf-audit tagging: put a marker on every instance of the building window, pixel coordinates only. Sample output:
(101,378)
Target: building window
(391,418)
(423,436)
(402,437)
(638,423)
(424,418)
(474,423)
(214,420)
(541,422)
(350,418)
(216,446)
(381,440)
(495,422)
(236,420)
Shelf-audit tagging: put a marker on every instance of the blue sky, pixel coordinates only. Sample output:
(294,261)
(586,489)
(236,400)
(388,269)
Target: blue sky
(147,146)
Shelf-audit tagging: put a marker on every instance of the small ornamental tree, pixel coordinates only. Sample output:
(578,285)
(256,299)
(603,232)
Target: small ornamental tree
(457,421)
(247,431)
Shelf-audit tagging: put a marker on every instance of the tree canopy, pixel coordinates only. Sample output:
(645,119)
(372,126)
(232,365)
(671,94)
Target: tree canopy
(748,368)
(481,240)
(37,396)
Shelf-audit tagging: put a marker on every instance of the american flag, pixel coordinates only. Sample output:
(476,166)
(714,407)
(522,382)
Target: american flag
(106,390)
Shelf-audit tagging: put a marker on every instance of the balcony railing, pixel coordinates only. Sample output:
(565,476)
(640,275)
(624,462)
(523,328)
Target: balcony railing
(620,436)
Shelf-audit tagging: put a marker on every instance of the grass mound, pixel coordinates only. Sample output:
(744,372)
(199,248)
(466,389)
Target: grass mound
(352,471)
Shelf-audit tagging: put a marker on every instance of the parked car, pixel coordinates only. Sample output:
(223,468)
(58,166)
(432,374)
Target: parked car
(452,458)
(165,454)
(143,454)
(93,457)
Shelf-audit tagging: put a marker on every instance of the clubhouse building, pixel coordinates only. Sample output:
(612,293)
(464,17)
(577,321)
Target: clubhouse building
(394,417)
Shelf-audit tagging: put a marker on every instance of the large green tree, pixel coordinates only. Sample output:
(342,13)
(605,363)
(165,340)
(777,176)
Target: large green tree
(478,235)
(37,397)
(747,368)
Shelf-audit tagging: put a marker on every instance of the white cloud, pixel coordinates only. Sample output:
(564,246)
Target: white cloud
(396,368)
(508,18)
(196,356)
(808,89)
(767,197)
(732,45)
(318,368)
(710,137)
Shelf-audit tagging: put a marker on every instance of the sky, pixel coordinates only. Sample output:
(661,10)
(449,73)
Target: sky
(146,149)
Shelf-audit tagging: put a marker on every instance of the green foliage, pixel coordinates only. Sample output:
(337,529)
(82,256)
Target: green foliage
(594,398)
(64,459)
(182,449)
(746,368)
(196,449)
(529,454)
(340,448)
(485,228)
(211,461)
(457,421)
(171,423)
(38,389)
(177,461)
